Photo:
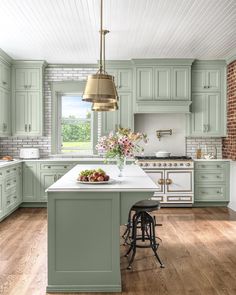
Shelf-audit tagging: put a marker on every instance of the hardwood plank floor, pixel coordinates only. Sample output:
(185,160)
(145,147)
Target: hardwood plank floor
(198,249)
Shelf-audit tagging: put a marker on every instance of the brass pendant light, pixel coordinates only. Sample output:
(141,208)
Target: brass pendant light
(100,87)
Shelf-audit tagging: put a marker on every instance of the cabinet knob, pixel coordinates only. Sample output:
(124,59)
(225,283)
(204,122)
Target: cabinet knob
(29,127)
(25,127)
(4,82)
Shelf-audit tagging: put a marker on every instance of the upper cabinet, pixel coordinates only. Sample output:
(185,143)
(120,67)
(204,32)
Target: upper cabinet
(5,103)
(27,79)
(27,98)
(5,75)
(123,78)
(162,85)
(208,110)
(206,80)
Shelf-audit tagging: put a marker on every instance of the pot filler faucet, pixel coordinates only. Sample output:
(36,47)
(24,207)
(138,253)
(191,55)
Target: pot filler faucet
(160,133)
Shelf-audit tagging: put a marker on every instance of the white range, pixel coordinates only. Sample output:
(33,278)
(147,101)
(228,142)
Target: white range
(175,177)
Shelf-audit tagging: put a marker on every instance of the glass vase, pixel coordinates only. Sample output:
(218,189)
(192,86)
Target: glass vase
(120,162)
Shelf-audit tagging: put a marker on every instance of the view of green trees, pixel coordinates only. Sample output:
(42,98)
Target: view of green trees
(76,130)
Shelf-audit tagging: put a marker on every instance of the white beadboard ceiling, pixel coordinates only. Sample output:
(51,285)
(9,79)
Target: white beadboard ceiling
(66,31)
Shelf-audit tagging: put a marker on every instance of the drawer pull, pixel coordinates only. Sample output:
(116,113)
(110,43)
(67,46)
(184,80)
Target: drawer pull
(15,197)
(65,167)
(14,169)
(218,192)
(8,171)
(203,192)
(49,167)
(202,176)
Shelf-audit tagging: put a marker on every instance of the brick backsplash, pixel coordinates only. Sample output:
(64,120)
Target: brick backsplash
(11,145)
(229,143)
(209,143)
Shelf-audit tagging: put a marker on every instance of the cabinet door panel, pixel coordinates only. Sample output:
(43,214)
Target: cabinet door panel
(126,110)
(5,76)
(46,180)
(21,79)
(198,80)
(213,114)
(144,84)
(109,122)
(124,80)
(33,79)
(181,181)
(208,193)
(21,113)
(213,80)
(162,83)
(6,120)
(34,113)
(180,87)
(29,182)
(198,114)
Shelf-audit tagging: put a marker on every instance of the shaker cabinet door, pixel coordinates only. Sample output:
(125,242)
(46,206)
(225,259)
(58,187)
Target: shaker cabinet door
(124,80)
(29,182)
(5,122)
(34,113)
(198,80)
(162,83)
(125,111)
(144,84)
(20,112)
(181,83)
(213,80)
(213,114)
(179,181)
(198,115)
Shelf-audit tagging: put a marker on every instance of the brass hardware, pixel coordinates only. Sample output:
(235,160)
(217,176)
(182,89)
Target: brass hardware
(55,177)
(160,133)
(25,127)
(100,88)
(4,83)
(29,127)
(168,181)
(161,181)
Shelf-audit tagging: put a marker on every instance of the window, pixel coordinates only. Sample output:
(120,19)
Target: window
(74,125)
(75,121)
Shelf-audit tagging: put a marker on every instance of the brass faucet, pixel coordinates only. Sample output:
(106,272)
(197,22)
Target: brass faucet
(160,133)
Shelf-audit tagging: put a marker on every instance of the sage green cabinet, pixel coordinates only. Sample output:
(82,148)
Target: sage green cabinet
(212,182)
(30,182)
(163,83)
(123,78)
(5,112)
(206,80)
(5,75)
(46,180)
(206,115)
(1,201)
(27,113)
(27,98)
(123,117)
(27,79)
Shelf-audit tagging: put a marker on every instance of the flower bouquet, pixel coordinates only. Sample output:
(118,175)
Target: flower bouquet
(120,145)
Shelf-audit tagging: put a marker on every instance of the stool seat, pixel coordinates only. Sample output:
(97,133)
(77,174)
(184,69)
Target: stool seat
(146,205)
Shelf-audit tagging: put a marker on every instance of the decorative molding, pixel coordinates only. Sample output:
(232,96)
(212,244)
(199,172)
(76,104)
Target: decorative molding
(163,61)
(5,57)
(83,66)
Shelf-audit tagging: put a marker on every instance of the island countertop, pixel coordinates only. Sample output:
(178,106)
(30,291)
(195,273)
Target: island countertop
(134,180)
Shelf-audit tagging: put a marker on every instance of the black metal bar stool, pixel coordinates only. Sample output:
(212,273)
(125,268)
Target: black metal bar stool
(144,222)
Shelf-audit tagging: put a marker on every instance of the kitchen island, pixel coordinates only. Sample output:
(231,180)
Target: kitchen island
(84,228)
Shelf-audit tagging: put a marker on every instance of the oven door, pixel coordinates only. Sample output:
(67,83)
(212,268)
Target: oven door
(158,178)
(179,181)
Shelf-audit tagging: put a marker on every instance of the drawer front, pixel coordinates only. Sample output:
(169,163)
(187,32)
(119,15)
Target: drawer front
(206,176)
(212,192)
(180,199)
(2,173)
(55,167)
(210,165)
(10,183)
(12,201)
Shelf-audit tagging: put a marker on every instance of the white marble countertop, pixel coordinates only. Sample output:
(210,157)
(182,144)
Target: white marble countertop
(8,163)
(134,180)
(210,160)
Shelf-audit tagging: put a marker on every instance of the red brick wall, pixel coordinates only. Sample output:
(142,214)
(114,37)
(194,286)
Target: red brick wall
(229,143)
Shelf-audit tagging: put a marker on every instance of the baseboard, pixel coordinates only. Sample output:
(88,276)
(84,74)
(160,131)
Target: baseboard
(33,204)
(211,204)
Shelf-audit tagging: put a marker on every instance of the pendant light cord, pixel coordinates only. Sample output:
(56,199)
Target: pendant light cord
(101,33)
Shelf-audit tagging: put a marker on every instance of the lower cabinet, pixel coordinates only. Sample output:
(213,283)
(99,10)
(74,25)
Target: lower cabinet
(212,182)
(10,189)
(30,182)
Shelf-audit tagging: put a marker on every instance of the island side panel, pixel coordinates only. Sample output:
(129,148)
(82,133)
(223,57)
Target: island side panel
(83,242)
(127,200)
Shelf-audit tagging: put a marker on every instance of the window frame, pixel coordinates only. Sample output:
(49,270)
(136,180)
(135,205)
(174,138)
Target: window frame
(60,89)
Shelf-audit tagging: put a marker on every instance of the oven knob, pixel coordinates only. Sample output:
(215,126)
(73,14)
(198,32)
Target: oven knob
(187,164)
(170,164)
(141,164)
(154,164)
(164,164)
(175,164)
(159,164)
(181,164)
(146,164)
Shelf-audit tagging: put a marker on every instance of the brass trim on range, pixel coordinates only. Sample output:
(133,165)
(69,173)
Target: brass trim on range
(179,199)
(173,191)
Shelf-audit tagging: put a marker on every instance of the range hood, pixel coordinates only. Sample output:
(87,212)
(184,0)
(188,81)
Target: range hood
(162,107)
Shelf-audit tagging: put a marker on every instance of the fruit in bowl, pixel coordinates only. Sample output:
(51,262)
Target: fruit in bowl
(93,175)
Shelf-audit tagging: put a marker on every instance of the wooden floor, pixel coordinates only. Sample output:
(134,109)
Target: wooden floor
(198,248)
